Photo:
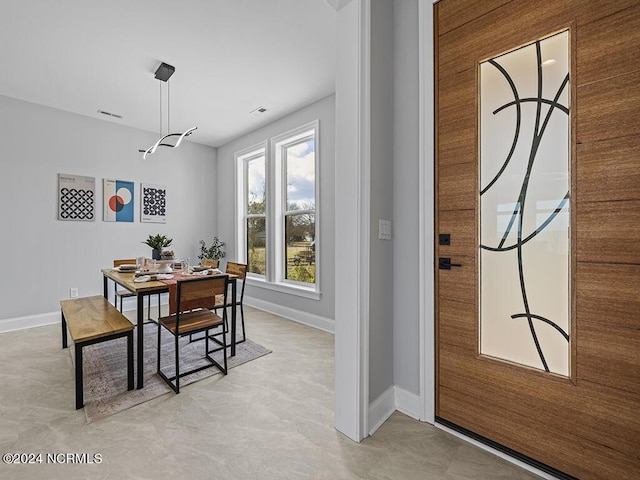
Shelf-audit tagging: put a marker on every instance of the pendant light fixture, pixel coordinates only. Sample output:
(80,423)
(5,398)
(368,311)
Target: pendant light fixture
(163,73)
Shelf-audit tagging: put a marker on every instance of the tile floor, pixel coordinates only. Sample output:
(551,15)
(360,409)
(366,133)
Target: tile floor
(269,419)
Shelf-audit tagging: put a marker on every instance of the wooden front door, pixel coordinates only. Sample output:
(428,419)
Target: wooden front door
(581,418)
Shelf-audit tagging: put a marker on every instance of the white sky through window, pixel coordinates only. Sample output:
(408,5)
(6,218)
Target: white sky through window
(301,175)
(256,179)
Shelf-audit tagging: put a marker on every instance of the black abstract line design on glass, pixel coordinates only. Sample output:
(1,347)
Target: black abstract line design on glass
(538,230)
(545,320)
(518,213)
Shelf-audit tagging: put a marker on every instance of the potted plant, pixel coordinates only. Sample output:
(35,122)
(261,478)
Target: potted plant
(213,252)
(157,243)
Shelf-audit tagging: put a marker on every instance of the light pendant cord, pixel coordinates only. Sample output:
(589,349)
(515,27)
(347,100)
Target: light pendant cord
(160,109)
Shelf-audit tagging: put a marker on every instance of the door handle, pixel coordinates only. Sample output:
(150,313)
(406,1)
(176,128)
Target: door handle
(444,263)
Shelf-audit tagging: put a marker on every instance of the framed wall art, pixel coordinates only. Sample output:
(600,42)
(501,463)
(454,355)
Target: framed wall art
(76,198)
(153,203)
(118,196)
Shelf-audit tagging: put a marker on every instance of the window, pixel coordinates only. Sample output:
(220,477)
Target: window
(277,211)
(251,208)
(256,214)
(299,159)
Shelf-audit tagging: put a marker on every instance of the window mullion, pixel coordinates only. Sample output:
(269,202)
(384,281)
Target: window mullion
(276,213)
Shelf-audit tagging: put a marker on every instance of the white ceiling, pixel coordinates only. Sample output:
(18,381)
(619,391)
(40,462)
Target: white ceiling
(231,56)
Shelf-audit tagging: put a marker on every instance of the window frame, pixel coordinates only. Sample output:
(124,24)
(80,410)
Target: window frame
(242,159)
(276,210)
(280,144)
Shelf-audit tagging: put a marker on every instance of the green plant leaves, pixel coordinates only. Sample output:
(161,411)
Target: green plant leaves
(158,241)
(214,252)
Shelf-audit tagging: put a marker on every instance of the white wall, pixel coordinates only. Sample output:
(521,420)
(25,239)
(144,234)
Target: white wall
(324,111)
(406,183)
(381,261)
(352,220)
(378,307)
(398,339)
(44,257)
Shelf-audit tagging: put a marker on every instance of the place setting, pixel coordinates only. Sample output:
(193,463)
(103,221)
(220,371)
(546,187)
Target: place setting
(149,269)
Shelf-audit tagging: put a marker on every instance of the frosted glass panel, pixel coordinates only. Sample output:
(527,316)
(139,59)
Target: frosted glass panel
(524,206)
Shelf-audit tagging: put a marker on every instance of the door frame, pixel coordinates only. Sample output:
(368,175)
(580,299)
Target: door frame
(426,208)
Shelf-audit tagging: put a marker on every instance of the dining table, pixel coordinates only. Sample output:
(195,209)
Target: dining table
(126,279)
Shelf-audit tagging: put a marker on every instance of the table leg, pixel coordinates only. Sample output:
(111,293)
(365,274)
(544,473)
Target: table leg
(79,386)
(105,288)
(130,360)
(64,330)
(233,317)
(140,315)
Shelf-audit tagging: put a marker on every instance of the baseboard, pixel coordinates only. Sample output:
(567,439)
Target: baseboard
(394,398)
(41,319)
(381,409)
(130,305)
(29,321)
(408,403)
(305,318)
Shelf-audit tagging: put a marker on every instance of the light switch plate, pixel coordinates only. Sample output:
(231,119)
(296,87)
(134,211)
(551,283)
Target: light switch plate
(384,229)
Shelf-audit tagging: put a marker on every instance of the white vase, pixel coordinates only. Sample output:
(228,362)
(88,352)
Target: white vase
(165,266)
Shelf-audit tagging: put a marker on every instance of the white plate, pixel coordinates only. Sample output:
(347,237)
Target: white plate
(126,268)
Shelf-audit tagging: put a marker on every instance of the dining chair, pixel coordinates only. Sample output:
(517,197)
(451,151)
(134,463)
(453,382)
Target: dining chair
(233,268)
(190,319)
(210,262)
(239,269)
(123,293)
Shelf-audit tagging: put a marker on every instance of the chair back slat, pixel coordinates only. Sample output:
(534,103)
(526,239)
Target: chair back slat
(190,291)
(239,269)
(126,261)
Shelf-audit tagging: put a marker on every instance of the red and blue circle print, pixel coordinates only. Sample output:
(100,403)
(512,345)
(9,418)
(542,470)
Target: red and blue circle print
(118,196)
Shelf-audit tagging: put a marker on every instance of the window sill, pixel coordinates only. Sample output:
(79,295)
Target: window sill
(283,287)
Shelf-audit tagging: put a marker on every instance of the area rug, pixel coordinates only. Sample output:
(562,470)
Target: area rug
(105,370)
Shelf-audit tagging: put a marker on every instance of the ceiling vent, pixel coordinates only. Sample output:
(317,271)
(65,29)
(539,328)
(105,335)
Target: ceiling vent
(258,111)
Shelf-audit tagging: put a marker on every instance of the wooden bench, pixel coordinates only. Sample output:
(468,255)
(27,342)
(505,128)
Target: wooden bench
(93,320)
